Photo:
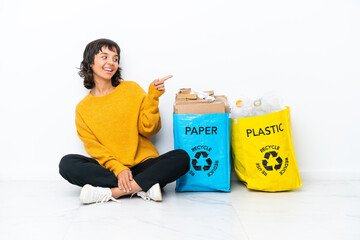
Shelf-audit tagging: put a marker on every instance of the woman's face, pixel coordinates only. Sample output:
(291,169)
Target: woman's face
(105,64)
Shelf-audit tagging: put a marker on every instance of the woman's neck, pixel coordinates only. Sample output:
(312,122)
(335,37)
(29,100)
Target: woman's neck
(102,89)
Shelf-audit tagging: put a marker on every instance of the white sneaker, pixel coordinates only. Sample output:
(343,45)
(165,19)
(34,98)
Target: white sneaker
(154,193)
(90,194)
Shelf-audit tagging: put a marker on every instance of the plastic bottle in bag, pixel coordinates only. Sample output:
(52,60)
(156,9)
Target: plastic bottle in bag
(242,109)
(260,107)
(268,103)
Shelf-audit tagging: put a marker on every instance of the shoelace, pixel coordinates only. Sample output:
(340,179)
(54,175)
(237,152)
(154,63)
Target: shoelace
(106,199)
(104,196)
(141,194)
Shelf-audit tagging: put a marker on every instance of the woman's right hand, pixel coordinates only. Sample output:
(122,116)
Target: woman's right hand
(124,179)
(159,83)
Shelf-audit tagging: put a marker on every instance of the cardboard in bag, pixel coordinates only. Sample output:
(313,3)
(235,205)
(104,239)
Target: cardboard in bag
(187,103)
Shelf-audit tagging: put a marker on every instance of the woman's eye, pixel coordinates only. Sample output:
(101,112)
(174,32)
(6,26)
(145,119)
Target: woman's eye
(116,60)
(104,57)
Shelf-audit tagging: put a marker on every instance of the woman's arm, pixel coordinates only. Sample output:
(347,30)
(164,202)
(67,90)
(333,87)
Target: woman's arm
(149,122)
(149,117)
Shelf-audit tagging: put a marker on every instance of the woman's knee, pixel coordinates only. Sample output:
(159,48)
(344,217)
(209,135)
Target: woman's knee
(184,158)
(66,163)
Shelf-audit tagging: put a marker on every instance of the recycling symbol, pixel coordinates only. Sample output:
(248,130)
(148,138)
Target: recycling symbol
(196,162)
(267,157)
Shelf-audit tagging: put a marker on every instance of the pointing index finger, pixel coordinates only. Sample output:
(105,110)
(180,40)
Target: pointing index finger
(165,78)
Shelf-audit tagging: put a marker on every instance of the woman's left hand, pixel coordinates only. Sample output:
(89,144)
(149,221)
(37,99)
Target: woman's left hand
(159,83)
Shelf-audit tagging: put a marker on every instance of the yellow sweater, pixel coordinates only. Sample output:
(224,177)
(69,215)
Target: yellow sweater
(115,128)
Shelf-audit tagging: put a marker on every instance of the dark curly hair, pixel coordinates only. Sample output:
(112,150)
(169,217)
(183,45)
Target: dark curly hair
(90,51)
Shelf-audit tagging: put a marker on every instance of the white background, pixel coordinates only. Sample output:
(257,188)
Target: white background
(307,51)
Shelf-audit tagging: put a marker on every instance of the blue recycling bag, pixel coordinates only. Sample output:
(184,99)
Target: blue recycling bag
(205,137)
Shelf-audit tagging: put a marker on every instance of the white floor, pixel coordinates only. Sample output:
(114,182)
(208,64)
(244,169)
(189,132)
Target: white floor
(321,209)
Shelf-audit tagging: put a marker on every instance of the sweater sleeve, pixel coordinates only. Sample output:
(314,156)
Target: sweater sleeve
(95,149)
(149,117)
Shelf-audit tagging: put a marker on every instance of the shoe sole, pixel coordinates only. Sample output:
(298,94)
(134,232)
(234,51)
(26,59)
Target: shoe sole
(82,193)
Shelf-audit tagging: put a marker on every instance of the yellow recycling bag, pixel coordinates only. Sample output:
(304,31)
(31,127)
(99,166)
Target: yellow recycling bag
(263,152)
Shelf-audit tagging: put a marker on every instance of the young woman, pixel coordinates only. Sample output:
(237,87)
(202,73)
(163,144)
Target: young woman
(114,122)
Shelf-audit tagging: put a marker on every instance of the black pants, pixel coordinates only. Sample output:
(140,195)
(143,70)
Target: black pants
(81,170)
